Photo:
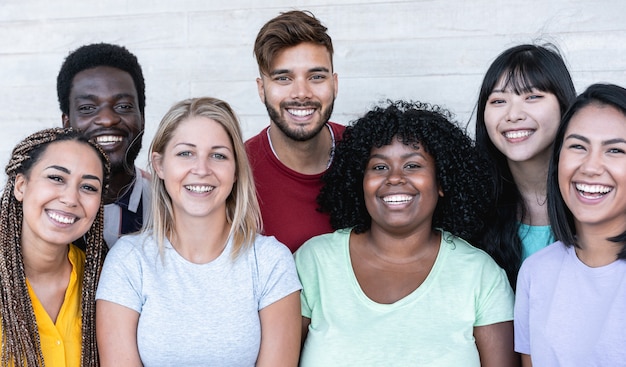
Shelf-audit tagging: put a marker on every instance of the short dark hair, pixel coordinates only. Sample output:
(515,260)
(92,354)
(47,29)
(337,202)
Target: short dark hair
(461,173)
(287,30)
(94,55)
(561,218)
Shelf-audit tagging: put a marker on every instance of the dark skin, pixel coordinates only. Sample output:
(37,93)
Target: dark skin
(104,105)
(395,256)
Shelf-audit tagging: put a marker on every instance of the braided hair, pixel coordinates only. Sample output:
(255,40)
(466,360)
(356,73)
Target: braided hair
(21,344)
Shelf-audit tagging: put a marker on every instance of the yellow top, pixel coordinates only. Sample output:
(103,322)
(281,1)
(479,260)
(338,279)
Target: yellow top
(61,342)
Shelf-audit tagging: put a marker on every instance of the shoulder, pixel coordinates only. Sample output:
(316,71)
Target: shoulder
(325,246)
(545,260)
(133,245)
(256,141)
(338,129)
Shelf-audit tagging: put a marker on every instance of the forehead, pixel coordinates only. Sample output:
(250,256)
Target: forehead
(74,155)
(397,148)
(304,54)
(598,120)
(103,81)
(201,131)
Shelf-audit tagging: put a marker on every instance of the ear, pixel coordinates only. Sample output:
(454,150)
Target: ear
(336,84)
(66,120)
(20,185)
(157,163)
(260,89)
(440,191)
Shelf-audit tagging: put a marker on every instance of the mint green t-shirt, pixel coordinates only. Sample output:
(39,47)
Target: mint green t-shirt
(432,326)
(534,238)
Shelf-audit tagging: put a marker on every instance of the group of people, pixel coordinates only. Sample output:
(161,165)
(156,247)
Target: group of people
(396,240)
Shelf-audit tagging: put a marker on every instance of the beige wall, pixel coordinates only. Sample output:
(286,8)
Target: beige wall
(430,50)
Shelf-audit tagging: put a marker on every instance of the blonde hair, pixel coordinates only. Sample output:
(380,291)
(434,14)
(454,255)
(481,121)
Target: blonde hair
(21,345)
(242,207)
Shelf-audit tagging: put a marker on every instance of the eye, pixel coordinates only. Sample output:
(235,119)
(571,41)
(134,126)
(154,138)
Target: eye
(412,166)
(379,167)
(184,153)
(219,156)
(281,78)
(576,147)
(318,77)
(86,109)
(125,107)
(496,101)
(55,178)
(616,151)
(90,188)
(533,97)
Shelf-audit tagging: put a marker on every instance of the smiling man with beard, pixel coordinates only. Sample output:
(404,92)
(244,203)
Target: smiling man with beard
(298,87)
(101,92)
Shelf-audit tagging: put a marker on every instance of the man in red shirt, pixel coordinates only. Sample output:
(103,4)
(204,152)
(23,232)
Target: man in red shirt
(298,86)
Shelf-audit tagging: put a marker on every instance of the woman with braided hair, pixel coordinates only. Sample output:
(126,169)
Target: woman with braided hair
(56,180)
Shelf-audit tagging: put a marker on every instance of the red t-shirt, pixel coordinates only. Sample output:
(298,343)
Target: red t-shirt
(287,198)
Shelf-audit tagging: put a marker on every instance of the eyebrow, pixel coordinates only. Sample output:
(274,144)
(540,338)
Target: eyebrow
(67,171)
(195,146)
(316,69)
(404,156)
(586,140)
(95,97)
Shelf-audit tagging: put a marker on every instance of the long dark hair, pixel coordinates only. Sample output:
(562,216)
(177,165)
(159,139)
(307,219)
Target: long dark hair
(521,68)
(561,218)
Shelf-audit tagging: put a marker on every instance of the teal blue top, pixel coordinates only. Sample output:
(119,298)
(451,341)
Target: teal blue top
(534,238)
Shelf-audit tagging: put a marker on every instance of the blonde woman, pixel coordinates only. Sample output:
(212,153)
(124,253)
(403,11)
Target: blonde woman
(199,286)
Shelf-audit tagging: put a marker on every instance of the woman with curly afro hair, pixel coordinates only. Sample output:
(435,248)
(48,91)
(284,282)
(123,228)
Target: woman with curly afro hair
(397,284)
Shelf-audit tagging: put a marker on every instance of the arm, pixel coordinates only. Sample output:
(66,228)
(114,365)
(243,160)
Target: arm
(305,328)
(280,332)
(495,345)
(116,334)
(526,362)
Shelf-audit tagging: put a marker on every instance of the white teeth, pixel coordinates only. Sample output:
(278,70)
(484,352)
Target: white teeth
(199,189)
(61,219)
(301,113)
(517,134)
(108,139)
(593,189)
(397,199)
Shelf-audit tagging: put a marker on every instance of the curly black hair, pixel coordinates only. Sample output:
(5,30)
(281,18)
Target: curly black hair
(91,56)
(462,173)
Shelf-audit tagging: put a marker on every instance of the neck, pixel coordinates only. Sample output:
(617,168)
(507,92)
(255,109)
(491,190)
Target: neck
(200,241)
(119,182)
(594,249)
(307,157)
(401,248)
(530,178)
(44,260)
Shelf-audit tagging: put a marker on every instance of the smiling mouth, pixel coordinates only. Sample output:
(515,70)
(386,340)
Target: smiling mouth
(592,191)
(518,134)
(397,199)
(108,139)
(301,113)
(200,189)
(64,219)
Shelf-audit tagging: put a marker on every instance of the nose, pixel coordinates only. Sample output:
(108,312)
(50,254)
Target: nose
(592,164)
(396,176)
(202,167)
(515,112)
(107,116)
(69,197)
(301,89)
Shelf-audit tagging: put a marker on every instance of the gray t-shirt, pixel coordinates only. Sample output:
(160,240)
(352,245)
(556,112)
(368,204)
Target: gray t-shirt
(197,314)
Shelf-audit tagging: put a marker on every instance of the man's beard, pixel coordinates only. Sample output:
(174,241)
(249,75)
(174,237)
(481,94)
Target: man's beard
(297,134)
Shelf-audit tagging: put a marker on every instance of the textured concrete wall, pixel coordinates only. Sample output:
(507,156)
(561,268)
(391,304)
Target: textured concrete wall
(429,50)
